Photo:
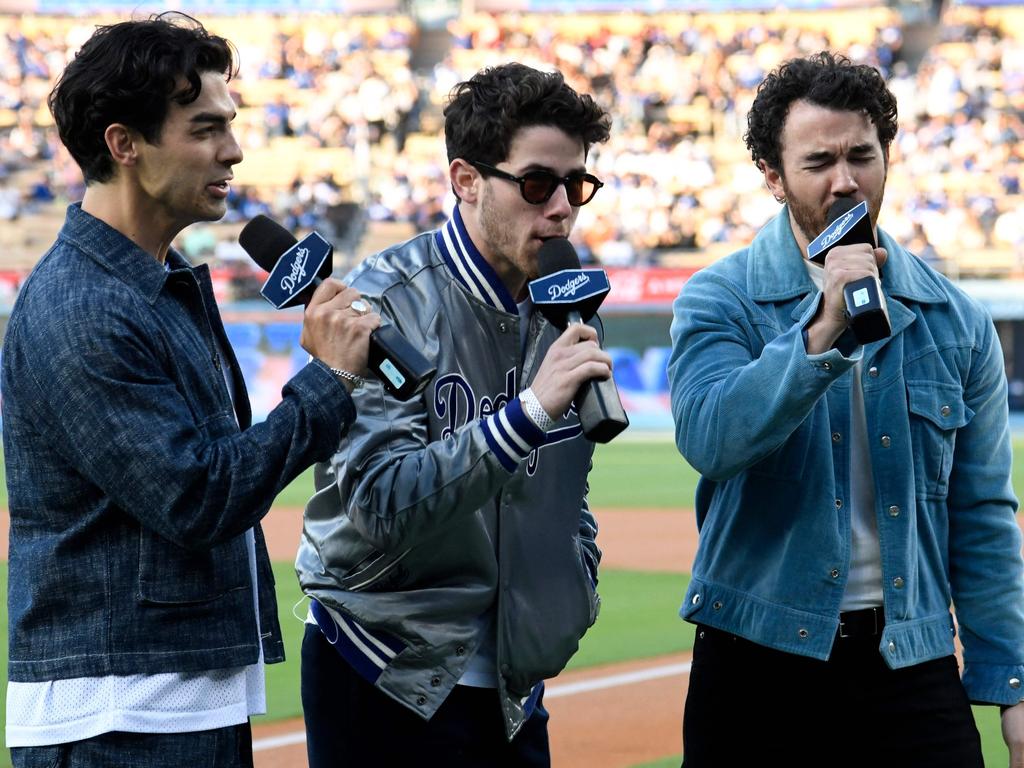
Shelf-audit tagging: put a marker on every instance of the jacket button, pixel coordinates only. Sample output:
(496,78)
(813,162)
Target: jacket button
(945,410)
(836,437)
(894,511)
(435,681)
(834,573)
(695,599)
(873,372)
(421,700)
(839,503)
(460,651)
(803,633)
(826,366)
(898,582)
(886,441)
(717,605)
(503,327)
(1015,682)
(892,647)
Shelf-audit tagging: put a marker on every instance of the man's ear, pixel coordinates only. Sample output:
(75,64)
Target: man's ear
(122,144)
(466,180)
(773,180)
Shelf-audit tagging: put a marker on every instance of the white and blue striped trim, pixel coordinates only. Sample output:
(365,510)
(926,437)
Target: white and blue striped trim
(512,435)
(469,267)
(369,652)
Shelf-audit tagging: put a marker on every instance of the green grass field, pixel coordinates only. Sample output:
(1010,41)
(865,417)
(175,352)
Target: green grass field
(638,615)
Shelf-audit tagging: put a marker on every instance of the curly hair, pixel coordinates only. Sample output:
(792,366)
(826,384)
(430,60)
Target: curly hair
(822,79)
(484,113)
(129,73)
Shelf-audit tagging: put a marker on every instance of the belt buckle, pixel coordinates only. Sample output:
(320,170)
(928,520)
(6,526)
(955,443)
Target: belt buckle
(874,622)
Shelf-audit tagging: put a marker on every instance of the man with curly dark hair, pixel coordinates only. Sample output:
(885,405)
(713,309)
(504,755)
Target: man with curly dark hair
(141,599)
(449,549)
(850,493)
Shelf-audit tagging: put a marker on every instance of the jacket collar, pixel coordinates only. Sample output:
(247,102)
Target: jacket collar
(776,272)
(469,267)
(117,254)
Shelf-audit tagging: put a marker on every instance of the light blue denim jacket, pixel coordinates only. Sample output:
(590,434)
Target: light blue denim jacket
(765,424)
(131,479)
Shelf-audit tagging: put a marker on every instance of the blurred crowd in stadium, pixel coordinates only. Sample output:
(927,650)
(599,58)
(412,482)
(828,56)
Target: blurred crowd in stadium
(339,120)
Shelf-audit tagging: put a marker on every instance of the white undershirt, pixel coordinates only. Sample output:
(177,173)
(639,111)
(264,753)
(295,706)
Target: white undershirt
(864,582)
(61,711)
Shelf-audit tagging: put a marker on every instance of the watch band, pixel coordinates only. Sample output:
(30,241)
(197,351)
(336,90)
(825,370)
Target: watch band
(535,410)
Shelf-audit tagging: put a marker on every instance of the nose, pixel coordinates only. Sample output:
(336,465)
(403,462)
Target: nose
(844,183)
(557,206)
(231,152)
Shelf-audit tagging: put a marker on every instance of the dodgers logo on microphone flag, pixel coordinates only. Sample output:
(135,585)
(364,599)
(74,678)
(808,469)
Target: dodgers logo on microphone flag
(296,270)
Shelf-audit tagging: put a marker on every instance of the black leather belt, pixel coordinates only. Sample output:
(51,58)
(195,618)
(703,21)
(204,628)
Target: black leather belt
(865,623)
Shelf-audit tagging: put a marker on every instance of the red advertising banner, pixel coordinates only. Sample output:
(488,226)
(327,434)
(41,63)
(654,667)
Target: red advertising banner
(655,287)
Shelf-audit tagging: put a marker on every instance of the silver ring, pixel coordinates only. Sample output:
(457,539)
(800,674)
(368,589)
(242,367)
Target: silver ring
(359,306)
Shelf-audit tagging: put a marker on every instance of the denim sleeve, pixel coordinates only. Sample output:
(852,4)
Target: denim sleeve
(739,387)
(101,379)
(985,567)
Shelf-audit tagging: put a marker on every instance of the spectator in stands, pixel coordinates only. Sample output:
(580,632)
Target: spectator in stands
(849,493)
(142,605)
(449,549)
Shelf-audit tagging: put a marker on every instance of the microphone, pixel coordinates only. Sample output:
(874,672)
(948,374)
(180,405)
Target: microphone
(866,312)
(297,267)
(565,294)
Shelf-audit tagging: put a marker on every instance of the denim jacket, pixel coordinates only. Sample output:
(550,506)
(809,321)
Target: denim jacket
(131,482)
(765,423)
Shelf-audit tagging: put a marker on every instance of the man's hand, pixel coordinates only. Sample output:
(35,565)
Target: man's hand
(843,265)
(1013,734)
(574,358)
(335,332)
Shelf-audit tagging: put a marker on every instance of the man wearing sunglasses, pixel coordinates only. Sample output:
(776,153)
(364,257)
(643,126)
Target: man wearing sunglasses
(449,549)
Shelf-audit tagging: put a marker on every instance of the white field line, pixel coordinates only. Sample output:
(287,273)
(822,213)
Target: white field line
(550,692)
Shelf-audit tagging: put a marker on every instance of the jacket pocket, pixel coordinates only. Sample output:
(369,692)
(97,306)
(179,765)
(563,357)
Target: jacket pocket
(169,574)
(375,572)
(937,411)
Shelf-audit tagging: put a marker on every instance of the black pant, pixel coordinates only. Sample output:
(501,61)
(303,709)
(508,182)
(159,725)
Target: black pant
(751,705)
(351,723)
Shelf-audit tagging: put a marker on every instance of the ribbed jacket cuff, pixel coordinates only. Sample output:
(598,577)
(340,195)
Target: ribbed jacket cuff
(511,434)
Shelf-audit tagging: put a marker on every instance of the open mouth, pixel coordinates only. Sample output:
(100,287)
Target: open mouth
(219,188)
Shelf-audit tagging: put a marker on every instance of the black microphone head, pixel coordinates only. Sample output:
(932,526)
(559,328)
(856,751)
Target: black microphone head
(265,240)
(839,207)
(555,255)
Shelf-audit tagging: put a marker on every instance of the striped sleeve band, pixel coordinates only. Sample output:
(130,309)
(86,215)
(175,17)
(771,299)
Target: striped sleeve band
(511,434)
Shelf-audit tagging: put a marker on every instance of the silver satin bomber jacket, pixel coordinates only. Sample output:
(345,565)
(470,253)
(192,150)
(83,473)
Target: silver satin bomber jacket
(439,512)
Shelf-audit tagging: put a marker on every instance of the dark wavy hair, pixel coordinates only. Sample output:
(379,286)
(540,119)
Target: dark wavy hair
(128,73)
(823,79)
(484,113)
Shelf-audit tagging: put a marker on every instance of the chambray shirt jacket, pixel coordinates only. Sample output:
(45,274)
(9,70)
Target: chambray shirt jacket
(767,426)
(131,481)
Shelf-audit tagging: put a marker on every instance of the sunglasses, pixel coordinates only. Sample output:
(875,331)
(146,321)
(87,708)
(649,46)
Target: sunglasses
(537,187)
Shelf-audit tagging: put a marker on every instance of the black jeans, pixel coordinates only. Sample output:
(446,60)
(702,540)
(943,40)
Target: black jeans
(351,723)
(229,747)
(751,705)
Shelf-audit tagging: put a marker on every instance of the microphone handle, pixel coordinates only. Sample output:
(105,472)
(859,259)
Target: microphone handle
(400,367)
(598,405)
(866,312)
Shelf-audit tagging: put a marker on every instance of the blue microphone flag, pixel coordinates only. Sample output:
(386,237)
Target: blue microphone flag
(296,270)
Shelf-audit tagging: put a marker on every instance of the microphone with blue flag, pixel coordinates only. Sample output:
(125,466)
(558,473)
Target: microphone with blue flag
(565,293)
(866,313)
(297,267)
